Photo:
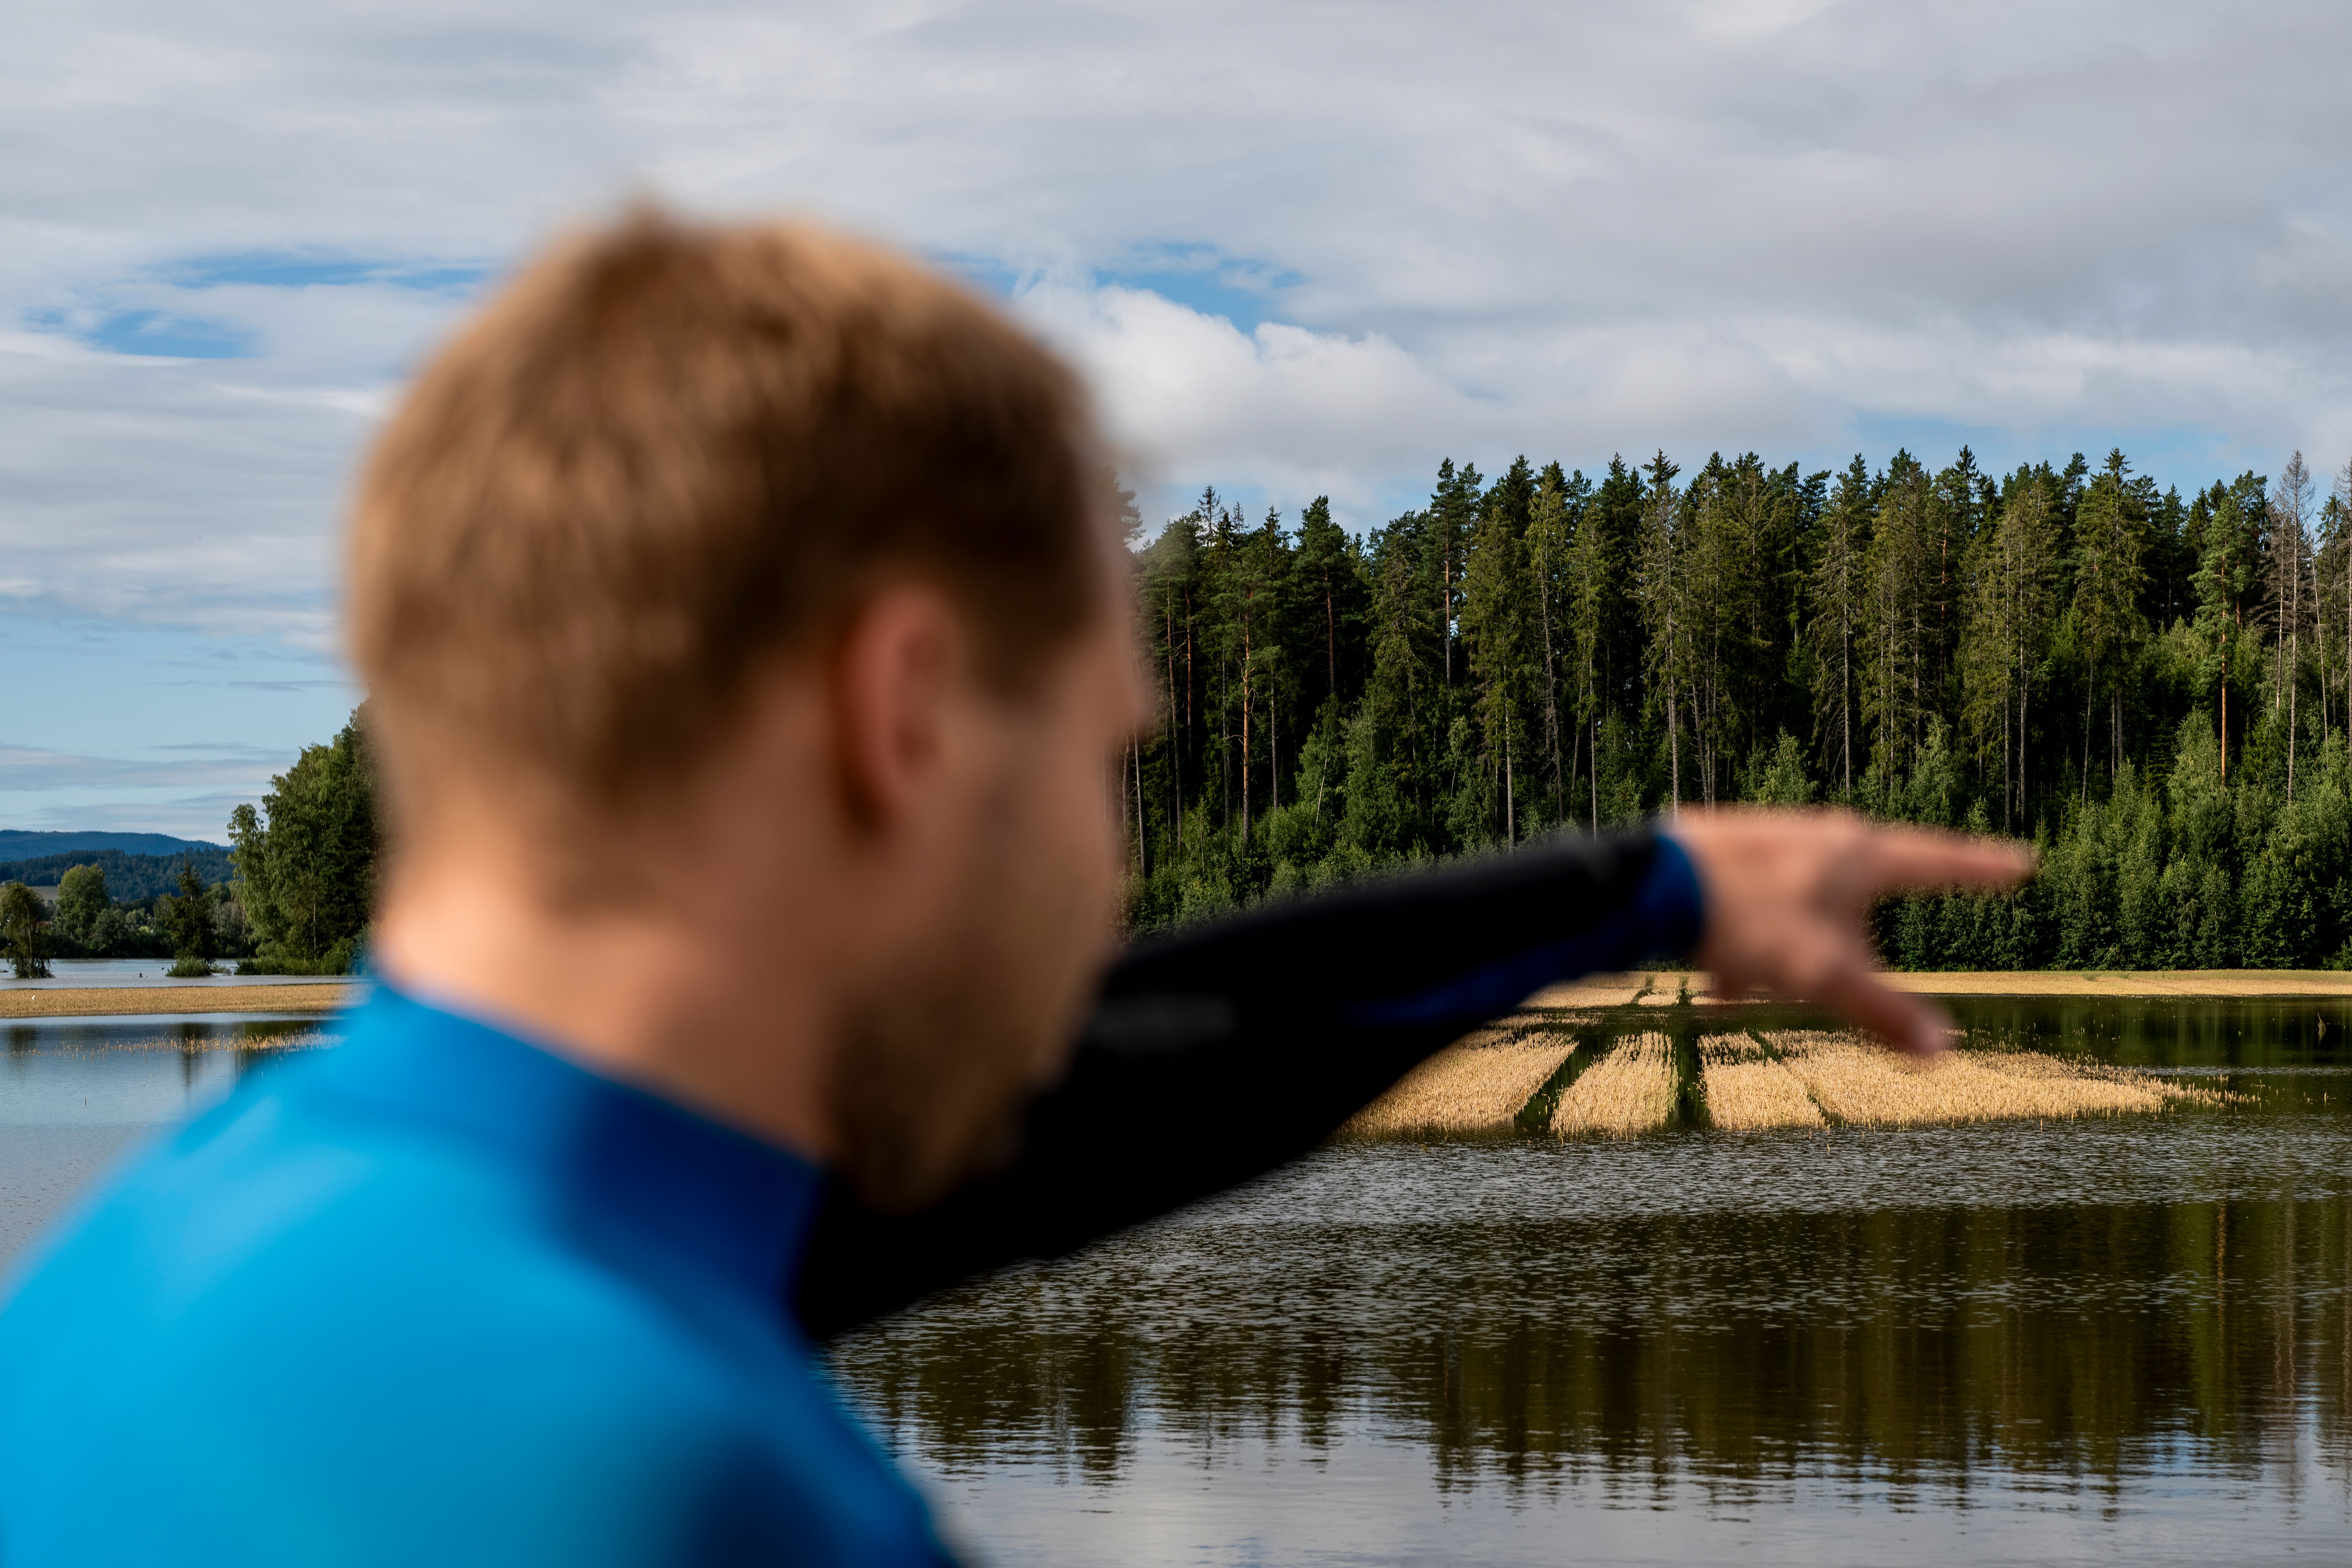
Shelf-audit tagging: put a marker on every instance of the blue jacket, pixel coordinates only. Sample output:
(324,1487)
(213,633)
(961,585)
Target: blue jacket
(436,1296)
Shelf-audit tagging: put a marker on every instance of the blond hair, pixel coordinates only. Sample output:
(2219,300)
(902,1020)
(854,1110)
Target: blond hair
(668,450)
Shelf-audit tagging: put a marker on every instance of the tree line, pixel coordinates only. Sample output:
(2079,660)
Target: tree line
(297,900)
(187,926)
(2153,688)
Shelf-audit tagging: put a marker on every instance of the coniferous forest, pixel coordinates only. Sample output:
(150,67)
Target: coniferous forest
(2152,688)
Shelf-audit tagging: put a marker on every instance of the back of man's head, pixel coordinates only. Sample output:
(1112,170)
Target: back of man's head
(669,452)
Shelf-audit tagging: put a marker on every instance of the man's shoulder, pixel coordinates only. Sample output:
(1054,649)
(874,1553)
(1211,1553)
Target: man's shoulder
(284,1215)
(298,1315)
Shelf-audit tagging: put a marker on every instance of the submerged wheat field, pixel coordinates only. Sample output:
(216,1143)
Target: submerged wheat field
(1477,1085)
(1576,1078)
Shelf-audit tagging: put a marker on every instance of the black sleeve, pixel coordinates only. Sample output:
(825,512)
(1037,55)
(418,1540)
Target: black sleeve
(1219,1053)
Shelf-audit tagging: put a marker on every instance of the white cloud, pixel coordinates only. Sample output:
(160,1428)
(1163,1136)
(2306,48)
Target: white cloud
(1475,229)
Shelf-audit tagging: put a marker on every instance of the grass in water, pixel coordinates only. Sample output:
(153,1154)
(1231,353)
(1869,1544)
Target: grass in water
(1476,1085)
(1630,1090)
(1749,1092)
(1863,1084)
(1746,1083)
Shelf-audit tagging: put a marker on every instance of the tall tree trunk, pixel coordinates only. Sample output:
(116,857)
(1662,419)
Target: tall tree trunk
(1551,690)
(2294,649)
(1575,768)
(2025,695)
(1446,599)
(2005,782)
(2115,735)
(1176,740)
(2225,713)
(2021,695)
(1510,807)
(1330,641)
(1245,736)
(2090,690)
(1191,689)
(1674,753)
(1845,703)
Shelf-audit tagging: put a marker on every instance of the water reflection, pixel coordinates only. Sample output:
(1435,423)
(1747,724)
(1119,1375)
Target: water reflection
(2164,1032)
(2128,1318)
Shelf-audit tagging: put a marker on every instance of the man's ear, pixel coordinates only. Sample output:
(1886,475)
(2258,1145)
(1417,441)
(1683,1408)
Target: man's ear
(898,668)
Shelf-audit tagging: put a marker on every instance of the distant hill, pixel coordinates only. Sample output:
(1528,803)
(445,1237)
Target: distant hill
(128,878)
(16,844)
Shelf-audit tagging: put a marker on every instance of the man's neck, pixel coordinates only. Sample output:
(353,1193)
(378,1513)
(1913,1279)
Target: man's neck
(644,996)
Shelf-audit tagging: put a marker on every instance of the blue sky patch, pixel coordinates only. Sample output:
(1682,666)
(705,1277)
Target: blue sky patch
(1202,277)
(155,333)
(308,270)
(1199,277)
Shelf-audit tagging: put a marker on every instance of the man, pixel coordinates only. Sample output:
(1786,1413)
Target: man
(746,647)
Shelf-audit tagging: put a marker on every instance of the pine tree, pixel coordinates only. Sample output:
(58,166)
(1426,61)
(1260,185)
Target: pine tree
(2289,558)
(1895,625)
(1330,580)
(2109,539)
(1837,598)
(1453,513)
(1495,605)
(2229,551)
(2007,637)
(1549,536)
(1660,585)
(1589,597)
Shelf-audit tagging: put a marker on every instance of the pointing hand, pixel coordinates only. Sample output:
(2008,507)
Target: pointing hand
(1787,892)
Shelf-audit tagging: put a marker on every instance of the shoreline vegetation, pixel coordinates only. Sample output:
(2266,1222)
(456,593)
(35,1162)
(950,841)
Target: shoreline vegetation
(1653,988)
(1669,987)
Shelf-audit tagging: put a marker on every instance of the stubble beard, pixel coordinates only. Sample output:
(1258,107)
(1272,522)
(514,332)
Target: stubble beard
(940,1061)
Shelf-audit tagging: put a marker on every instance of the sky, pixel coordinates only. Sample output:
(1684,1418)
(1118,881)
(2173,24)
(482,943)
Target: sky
(1297,249)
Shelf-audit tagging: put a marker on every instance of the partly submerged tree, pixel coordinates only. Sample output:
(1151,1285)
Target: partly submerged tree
(187,916)
(23,920)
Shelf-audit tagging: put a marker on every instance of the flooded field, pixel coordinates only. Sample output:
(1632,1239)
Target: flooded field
(2046,1338)
(2074,1340)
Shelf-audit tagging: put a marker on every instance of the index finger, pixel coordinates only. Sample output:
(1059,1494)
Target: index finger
(1912,1024)
(1933,858)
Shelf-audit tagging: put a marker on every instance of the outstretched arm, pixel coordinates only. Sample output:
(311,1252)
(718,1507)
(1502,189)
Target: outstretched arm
(1219,1054)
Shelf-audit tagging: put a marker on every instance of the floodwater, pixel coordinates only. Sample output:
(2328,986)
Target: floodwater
(2091,1341)
(2113,1340)
(96,971)
(77,1096)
